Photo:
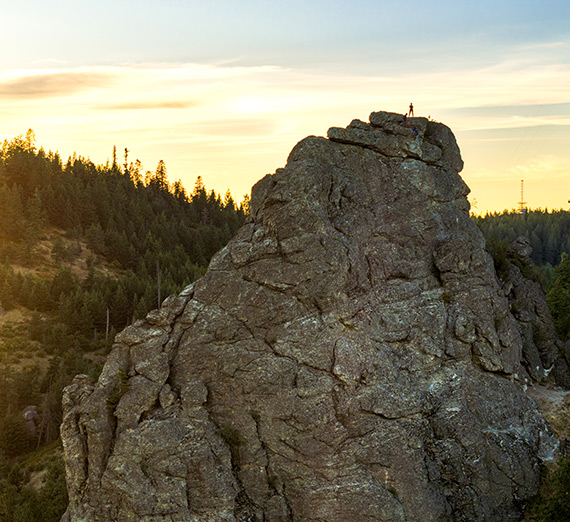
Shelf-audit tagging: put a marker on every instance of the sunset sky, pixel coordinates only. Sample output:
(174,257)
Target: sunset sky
(225,89)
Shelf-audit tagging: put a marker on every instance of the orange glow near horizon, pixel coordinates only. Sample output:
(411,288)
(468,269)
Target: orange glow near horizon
(234,124)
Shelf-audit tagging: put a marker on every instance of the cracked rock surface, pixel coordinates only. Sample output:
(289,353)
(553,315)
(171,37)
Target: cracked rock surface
(348,356)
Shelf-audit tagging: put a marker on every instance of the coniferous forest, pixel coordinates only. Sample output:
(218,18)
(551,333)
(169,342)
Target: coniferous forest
(548,232)
(85,250)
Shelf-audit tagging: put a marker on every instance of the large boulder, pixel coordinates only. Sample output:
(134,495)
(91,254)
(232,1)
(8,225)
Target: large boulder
(348,356)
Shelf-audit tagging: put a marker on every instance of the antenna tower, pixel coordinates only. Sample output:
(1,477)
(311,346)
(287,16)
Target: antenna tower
(522,202)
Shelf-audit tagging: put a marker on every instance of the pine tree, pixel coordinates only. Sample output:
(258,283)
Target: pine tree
(161,176)
(14,439)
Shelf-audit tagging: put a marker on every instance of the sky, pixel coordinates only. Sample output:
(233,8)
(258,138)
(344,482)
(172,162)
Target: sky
(224,90)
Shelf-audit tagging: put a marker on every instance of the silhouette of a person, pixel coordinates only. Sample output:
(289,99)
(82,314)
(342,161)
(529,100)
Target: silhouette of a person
(411,113)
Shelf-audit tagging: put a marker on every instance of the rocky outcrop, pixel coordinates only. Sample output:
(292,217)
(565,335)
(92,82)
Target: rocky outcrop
(543,353)
(31,418)
(348,356)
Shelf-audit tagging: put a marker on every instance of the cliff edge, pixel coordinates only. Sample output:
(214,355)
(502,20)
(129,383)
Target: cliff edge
(349,356)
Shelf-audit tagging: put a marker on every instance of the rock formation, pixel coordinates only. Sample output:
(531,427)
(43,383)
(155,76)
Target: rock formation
(542,350)
(348,356)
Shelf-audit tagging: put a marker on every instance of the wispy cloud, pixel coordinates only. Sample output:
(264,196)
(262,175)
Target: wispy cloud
(534,169)
(51,84)
(147,105)
(555,166)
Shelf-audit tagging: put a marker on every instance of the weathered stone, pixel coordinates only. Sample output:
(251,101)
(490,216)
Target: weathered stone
(71,436)
(138,398)
(348,356)
(520,248)
(543,354)
(167,397)
(392,139)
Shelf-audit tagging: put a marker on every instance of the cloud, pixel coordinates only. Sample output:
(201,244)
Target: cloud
(237,128)
(48,62)
(537,168)
(53,84)
(555,166)
(146,105)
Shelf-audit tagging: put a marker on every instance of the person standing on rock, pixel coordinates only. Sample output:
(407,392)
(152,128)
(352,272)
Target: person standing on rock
(411,113)
(405,120)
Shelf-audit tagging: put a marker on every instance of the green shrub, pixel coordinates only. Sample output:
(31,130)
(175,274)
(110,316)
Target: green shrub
(120,388)
(20,502)
(14,439)
(553,502)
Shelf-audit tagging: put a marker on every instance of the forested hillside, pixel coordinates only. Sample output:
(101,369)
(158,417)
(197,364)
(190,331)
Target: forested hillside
(548,232)
(85,250)
(549,236)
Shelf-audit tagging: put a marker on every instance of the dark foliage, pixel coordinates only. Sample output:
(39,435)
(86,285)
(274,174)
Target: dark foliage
(558,297)
(157,238)
(20,502)
(547,231)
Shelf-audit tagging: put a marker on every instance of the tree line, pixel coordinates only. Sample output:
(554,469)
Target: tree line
(547,231)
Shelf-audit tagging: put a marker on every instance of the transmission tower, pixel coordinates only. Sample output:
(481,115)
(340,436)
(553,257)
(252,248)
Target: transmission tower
(522,202)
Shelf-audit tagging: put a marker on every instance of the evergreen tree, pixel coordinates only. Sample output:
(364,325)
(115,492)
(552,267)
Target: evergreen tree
(14,439)
(12,215)
(161,176)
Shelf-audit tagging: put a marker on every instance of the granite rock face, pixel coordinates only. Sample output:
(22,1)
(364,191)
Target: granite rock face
(348,356)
